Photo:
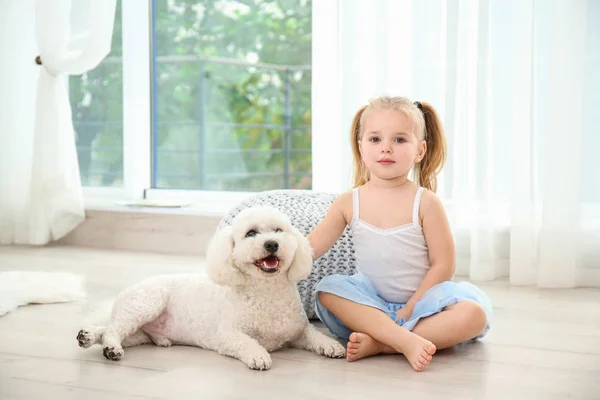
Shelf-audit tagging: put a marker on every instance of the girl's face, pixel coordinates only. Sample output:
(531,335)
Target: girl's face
(389,145)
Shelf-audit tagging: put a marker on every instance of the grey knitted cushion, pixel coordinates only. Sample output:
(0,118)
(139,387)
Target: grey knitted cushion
(306,208)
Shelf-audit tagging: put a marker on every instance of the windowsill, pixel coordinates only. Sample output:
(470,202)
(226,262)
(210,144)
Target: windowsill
(198,203)
(195,209)
(110,224)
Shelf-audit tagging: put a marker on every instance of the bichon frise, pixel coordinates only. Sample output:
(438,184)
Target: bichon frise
(249,307)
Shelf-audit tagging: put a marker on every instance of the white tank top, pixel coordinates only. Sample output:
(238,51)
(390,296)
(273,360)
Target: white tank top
(394,260)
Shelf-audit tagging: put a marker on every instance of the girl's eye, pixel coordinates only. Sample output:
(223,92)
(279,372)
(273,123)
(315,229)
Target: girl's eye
(400,140)
(251,233)
(374,139)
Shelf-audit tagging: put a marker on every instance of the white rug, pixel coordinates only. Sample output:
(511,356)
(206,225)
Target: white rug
(19,288)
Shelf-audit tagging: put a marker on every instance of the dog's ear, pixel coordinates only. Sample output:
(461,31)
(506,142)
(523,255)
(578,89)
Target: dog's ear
(303,259)
(219,261)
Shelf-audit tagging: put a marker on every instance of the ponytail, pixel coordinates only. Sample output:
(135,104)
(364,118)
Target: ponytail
(432,163)
(361,173)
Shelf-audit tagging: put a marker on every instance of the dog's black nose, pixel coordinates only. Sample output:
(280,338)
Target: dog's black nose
(271,246)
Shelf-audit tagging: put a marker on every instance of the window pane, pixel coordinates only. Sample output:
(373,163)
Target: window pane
(232,94)
(97,106)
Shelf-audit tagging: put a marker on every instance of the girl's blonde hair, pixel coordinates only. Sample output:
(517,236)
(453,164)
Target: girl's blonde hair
(428,126)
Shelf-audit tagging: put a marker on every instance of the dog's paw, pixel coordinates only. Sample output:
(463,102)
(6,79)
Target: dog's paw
(162,342)
(260,361)
(113,354)
(331,348)
(85,339)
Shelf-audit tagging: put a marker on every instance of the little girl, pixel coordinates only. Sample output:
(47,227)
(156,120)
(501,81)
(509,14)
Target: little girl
(401,300)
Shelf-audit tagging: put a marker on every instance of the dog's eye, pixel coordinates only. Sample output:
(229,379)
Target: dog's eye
(251,233)
(278,230)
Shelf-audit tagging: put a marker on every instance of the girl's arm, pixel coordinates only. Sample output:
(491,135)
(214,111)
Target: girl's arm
(440,244)
(331,227)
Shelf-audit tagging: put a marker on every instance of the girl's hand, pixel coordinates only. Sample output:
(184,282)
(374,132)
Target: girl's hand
(404,313)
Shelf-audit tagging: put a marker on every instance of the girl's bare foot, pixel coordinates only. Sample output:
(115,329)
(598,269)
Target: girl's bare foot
(361,345)
(417,350)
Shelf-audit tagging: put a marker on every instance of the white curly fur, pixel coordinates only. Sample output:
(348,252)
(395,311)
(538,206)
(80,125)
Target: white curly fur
(240,310)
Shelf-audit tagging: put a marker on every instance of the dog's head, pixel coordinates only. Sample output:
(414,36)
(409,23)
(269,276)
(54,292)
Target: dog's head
(261,243)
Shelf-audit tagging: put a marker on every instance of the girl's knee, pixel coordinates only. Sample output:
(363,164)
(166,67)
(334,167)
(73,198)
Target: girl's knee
(472,313)
(325,298)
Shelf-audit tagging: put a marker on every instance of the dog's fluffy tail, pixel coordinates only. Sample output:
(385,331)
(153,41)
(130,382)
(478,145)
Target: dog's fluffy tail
(19,288)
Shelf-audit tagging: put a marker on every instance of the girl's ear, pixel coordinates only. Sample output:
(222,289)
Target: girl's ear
(422,151)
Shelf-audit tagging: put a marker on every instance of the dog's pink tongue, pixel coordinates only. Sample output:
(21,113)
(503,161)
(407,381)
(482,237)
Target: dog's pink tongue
(270,263)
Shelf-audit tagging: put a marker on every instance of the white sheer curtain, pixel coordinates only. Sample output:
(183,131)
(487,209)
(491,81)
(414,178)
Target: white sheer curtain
(40,191)
(517,84)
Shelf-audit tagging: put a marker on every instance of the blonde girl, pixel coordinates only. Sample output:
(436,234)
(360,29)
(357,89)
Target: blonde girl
(402,300)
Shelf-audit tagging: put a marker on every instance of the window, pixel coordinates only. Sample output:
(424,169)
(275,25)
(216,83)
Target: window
(204,96)
(232,104)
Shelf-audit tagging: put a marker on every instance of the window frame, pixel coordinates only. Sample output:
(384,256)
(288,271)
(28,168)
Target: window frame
(138,118)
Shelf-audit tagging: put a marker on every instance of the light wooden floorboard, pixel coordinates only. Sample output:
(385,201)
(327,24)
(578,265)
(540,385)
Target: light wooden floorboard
(544,344)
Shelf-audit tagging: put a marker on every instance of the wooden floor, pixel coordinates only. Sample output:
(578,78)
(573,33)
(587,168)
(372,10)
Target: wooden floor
(544,344)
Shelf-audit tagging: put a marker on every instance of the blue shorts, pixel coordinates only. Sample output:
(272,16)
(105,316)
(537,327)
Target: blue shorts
(358,289)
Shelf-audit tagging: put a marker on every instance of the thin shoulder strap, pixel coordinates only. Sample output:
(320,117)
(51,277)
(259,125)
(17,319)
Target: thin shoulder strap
(355,205)
(416,207)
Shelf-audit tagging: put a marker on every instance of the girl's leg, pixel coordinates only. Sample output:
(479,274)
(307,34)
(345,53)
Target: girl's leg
(377,325)
(455,324)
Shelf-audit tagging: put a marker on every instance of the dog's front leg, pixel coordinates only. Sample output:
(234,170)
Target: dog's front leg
(241,346)
(313,340)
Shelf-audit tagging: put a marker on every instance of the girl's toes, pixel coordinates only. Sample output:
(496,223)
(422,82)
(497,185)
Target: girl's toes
(431,349)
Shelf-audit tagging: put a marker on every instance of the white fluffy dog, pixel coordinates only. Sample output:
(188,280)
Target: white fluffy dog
(250,308)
